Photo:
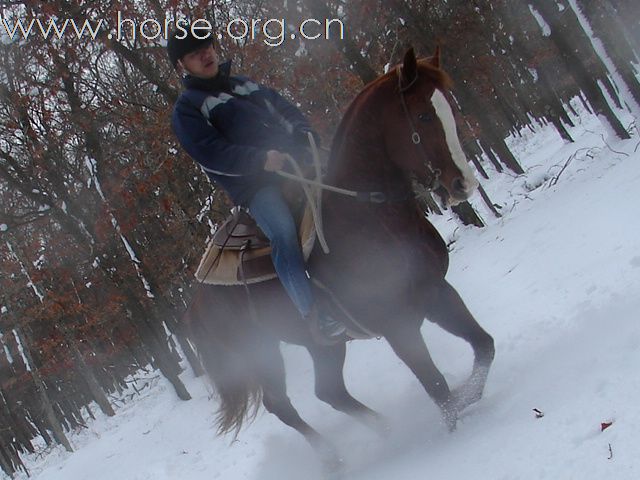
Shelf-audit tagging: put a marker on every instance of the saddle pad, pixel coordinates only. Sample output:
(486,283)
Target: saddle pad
(222,266)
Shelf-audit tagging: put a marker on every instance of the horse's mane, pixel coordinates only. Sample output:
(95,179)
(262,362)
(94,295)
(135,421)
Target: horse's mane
(425,69)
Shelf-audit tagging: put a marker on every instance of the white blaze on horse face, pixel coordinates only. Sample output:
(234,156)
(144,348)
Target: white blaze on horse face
(445,114)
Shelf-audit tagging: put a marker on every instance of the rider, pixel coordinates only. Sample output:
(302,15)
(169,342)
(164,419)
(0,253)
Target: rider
(241,133)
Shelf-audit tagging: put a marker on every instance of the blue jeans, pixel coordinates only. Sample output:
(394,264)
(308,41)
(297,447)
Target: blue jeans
(272,214)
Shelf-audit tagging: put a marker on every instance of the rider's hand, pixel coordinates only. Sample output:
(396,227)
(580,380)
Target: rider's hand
(275,161)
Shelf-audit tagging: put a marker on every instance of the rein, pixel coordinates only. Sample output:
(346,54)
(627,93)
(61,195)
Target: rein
(369,197)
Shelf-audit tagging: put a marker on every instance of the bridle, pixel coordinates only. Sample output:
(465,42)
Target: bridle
(432,178)
(433,174)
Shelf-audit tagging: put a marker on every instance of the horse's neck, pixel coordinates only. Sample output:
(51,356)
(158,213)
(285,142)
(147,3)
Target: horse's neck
(359,161)
(359,170)
(361,164)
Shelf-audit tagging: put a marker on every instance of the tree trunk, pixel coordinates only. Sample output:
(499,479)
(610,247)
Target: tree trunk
(606,26)
(41,389)
(192,358)
(572,41)
(490,131)
(6,461)
(488,201)
(628,12)
(92,382)
(467,214)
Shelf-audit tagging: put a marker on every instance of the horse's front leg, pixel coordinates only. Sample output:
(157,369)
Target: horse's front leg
(408,344)
(446,309)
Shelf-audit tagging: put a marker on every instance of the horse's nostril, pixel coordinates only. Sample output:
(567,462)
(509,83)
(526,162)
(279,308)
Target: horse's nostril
(458,185)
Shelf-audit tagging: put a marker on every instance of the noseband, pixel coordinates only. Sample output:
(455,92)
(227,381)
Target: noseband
(433,174)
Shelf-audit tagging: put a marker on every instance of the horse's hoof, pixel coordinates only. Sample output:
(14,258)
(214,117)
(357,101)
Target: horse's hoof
(465,397)
(471,391)
(332,463)
(333,468)
(450,416)
(380,426)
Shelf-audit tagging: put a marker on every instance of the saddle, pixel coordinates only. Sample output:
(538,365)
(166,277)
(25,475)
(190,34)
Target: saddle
(240,231)
(240,252)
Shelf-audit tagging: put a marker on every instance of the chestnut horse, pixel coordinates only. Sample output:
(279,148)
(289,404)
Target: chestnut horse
(387,264)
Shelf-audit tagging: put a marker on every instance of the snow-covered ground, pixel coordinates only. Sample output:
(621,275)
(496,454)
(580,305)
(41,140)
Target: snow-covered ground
(555,281)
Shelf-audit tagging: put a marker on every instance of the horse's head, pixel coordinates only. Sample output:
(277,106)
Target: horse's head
(420,129)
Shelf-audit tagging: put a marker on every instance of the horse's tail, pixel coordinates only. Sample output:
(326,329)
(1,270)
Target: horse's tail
(228,347)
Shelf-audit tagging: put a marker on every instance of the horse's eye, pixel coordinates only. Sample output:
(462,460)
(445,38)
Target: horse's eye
(425,117)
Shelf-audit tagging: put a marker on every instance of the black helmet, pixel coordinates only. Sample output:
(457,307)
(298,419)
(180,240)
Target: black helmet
(182,41)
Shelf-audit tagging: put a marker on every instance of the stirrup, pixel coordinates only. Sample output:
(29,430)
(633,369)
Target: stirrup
(325,330)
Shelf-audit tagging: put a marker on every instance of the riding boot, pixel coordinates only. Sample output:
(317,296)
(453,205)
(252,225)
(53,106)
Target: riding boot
(325,330)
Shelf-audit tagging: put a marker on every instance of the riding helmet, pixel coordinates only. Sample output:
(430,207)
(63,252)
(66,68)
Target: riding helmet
(182,41)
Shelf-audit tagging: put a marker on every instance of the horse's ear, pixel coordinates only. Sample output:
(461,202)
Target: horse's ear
(409,67)
(435,60)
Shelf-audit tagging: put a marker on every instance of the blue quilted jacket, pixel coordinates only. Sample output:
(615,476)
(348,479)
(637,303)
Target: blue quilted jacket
(228,123)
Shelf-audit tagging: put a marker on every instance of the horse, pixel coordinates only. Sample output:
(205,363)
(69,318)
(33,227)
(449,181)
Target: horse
(387,265)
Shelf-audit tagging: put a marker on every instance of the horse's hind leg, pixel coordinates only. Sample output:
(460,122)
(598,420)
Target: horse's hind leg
(449,312)
(328,363)
(408,344)
(276,401)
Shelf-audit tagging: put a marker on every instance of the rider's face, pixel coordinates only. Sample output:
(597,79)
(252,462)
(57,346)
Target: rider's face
(202,62)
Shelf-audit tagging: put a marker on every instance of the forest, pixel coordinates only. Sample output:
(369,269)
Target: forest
(104,218)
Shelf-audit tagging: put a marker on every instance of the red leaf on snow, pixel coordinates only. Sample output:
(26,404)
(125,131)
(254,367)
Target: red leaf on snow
(605,425)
